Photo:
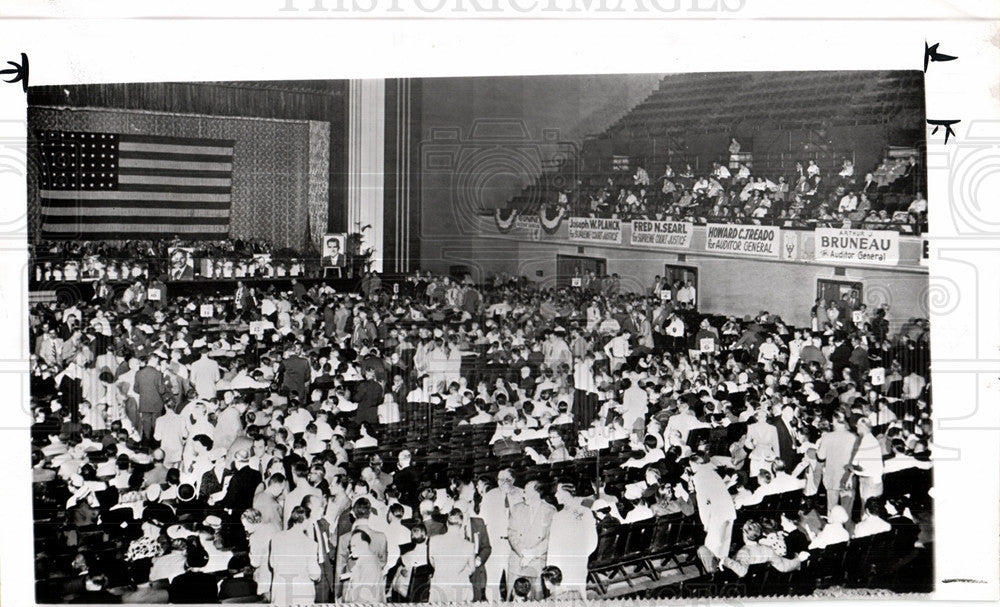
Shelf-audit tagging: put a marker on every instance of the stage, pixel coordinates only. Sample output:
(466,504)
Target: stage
(74,291)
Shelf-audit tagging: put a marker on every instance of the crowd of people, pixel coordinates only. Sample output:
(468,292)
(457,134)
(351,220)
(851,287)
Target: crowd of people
(173,259)
(179,457)
(890,196)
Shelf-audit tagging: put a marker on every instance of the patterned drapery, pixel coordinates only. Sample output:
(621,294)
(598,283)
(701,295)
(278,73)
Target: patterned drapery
(270,183)
(319,181)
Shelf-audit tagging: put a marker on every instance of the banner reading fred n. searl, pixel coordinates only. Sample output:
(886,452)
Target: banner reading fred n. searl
(591,229)
(758,241)
(667,234)
(871,247)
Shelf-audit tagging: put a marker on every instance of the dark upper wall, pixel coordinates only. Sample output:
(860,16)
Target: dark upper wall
(291,100)
(485,138)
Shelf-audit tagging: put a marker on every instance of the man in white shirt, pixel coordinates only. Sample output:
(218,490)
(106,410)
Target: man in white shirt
(849,203)
(617,350)
(635,404)
(812,170)
(720,171)
(205,374)
(686,296)
(918,206)
(171,431)
(683,421)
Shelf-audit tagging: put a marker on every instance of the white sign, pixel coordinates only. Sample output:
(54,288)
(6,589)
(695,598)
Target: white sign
(877,376)
(528,223)
(869,247)
(857,317)
(665,294)
(756,241)
(707,344)
(257,328)
(153,294)
(591,229)
(663,234)
(576,281)
(206,310)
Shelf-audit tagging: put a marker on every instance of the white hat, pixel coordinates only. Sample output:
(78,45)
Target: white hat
(600,504)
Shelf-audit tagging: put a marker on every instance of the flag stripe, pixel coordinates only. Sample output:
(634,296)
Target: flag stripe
(130,204)
(177,140)
(165,180)
(129,163)
(131,195)
(113,231)
(176,189)
(53,220)
(215,158)
(119,211)
(168,148)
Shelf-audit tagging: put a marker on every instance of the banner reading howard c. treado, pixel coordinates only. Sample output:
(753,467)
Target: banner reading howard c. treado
(757,241)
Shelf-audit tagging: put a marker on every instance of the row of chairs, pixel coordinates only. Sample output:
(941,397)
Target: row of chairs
(867,562)
(644,549)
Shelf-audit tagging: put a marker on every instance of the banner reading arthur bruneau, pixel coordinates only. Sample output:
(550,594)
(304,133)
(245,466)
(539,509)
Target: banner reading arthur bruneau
(591,229)
(666,234)
(870,247)
(758,241)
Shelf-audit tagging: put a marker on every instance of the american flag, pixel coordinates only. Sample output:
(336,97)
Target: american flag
(107,186)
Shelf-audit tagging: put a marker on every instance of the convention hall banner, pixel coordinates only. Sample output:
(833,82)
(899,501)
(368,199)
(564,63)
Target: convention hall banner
(666,234)
(845,245)
(757,241)
(592,229)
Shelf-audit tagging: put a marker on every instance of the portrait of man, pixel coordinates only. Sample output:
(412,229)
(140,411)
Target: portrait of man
(181,263)
(333,251)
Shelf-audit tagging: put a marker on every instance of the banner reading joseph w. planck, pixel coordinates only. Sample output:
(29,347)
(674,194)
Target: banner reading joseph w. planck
(757,241)
(591,229)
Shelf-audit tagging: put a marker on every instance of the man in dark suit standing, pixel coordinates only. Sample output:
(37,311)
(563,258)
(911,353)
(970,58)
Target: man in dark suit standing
(786,438)
(296,372)
(361,511)
(369,396)
(475,532)
(242,486)
(244,298)
(150,387)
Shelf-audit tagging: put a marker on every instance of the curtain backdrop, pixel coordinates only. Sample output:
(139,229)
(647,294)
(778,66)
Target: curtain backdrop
(271,164)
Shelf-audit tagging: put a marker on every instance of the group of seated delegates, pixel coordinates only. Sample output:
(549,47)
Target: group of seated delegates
(72,260)
(183,459)
(806,196)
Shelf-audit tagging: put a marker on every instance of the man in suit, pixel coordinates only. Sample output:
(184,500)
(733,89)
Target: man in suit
(150,387)
(244,299)
(475,532)
(296,372)
(181,267)
(786,438)
(319,529)
(836,450)
(242,486)
(369,395)
(268,501)
(361,510)
(528,533)
(334,257)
